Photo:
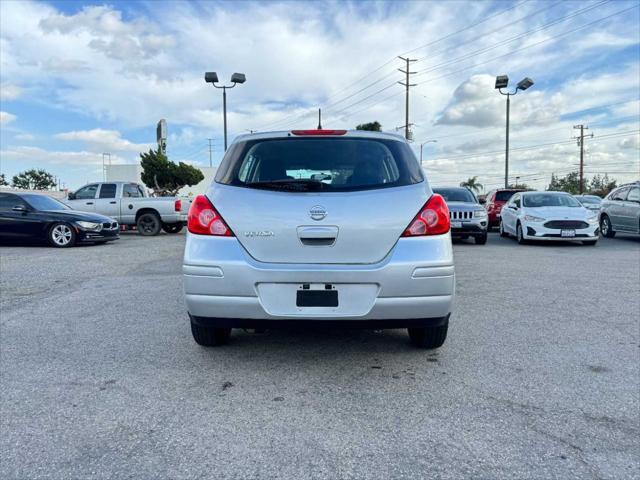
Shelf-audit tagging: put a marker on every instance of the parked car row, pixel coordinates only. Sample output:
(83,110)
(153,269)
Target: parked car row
(92,214)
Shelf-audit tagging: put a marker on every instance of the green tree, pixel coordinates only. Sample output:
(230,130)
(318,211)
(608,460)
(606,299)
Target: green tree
(371,126)
(34,180)
(164,177)
(601,185)
(472,184)
(570,183)
(3,181)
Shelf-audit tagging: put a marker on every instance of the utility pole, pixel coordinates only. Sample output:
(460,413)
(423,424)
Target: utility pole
(580,139)
(406,84)
(210,151)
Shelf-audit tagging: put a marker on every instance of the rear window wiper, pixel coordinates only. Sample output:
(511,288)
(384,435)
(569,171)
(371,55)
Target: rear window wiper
(296,184)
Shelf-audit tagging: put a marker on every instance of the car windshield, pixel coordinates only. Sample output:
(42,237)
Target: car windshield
(319,164)
(535,200)
(42,202)
(504,195)
(590,200)
(456,195)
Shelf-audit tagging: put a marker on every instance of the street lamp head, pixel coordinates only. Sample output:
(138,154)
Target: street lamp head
(211,77)
(502,81)
(525,83)
(238,78)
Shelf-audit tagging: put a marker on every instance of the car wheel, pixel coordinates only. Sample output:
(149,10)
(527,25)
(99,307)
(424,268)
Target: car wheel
(210,337)
(172,227)
(428,337)
(480,239)
(605,227)
(149,224)
(519,234)
(62,235)
(590,242)
(502,231)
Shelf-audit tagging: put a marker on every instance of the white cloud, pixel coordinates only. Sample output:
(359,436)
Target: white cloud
(9,92)
(35,156)
(24,137)
(6,117)
(103,140)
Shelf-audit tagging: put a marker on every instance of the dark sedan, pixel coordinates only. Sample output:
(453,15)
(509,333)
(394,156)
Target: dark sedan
(29,216)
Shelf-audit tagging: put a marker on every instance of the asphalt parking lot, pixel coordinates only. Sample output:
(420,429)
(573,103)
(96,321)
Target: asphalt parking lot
(539,378)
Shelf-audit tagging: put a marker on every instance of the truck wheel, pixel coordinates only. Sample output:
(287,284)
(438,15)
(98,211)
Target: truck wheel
(61,235)
(149,224)
(210,337)
(172,227)
(606,228)
(428,337)
(480,239)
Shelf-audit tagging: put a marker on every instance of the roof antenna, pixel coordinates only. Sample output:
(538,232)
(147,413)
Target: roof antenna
(319,119)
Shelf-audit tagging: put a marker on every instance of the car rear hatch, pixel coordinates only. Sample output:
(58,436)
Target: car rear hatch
(321,201)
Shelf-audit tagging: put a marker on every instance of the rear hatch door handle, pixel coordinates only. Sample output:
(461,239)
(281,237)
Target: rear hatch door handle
(318,236)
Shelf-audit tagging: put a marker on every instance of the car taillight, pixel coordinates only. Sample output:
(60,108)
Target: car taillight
(432,219)
(177,206)
(318,132)
(203,219)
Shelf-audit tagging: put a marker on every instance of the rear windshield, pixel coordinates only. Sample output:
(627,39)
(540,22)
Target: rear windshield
(456,195)
(319,164)
(535,200)
(504,196)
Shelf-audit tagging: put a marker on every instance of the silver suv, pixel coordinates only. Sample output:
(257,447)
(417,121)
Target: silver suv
(620,211)
(468,217)
(319,226)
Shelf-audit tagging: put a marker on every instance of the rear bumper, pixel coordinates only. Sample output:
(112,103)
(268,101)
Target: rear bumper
(284,323)
(415,281)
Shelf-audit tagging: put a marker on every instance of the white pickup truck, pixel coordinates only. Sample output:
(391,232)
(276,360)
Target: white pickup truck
(130,204)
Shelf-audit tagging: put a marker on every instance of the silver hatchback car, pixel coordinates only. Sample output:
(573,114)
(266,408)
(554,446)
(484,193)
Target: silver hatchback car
(312,226)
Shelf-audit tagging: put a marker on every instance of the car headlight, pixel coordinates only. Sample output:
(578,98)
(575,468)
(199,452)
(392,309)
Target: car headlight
(480,213)
(592,219)
(533,218)
(91,226)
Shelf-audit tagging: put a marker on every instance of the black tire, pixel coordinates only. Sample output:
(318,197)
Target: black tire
(503,233)
(605,227)
(172,227)
(61,235)
(428,337)
(480,239)
(149,224)
(520,235)
(591,243)
(210,337)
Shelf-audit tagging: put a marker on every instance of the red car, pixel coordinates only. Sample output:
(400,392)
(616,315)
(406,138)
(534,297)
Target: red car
(495,200)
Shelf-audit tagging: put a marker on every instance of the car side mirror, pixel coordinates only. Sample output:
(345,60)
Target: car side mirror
(482,200)
(19,208)
(71,196)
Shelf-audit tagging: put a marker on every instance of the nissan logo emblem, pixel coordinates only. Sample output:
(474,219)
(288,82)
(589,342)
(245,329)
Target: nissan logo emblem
(317,212)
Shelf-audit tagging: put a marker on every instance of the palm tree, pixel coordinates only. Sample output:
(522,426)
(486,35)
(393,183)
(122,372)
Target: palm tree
(472,184)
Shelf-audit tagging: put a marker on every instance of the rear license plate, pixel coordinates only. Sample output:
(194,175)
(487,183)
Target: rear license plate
(317,298)
(456,224)
(567,233)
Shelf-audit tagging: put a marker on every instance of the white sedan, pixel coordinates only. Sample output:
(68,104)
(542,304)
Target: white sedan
(548,216)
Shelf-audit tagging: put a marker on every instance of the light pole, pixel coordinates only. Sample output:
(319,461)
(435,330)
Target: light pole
(422,145)
(212,78)
(502,81)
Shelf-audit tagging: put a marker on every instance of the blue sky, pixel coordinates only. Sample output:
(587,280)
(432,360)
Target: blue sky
(82,78)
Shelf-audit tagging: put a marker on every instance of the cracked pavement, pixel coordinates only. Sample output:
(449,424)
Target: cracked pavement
(539,378)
